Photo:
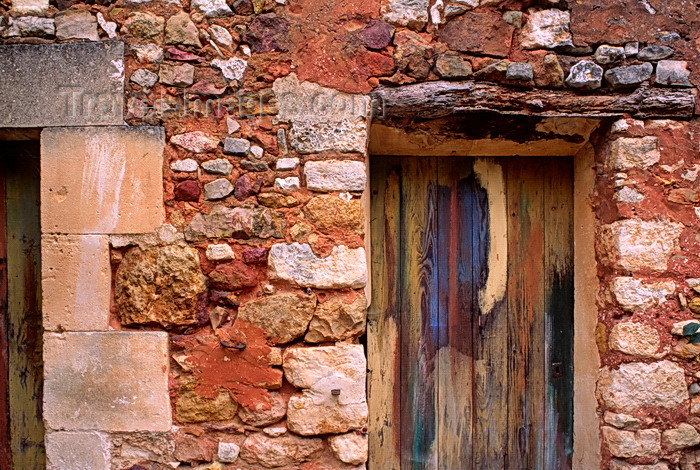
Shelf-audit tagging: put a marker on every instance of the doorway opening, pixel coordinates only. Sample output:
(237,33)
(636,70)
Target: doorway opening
(470,330)
(21,365)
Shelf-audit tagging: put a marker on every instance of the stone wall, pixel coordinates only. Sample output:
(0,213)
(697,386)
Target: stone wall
(210,274)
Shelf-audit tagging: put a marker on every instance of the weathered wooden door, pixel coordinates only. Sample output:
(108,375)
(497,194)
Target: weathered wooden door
(470,334)
(21,367)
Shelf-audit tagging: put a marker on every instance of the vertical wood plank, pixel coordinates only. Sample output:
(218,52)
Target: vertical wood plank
(456,293)
(419,314)
(525,313)
(488,202)
(5,456)
(24,299)
(559,312)
(383,315)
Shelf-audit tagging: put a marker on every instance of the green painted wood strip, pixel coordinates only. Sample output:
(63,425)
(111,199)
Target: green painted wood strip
(559,308)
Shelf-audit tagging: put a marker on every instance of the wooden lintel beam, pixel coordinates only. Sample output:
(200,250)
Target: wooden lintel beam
(441,98)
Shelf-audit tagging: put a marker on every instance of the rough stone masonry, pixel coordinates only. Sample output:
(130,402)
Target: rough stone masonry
(222,318)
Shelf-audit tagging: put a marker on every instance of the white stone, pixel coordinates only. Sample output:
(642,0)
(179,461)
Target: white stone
(217,189)
(547,29)
(411,13)
(151,53)
(220,35)
(109,27)
(212,8)
(228,452)
(219,166)
(628,444)
(634,245)
(275,431)
(33,26)
(144,77)
(635,294)
(682,437)
(30,7)
(333,379)
(321,118)
(634,152)
(350,448)
(220,252)
(286,164)
(694,283)
(231,69)
(232,125)
(629,195)
(335,175)
(620,125)
(622,465)
(111,381)
(637,384)
(318,135)
(620,420)
(77,451)
(187,165)
(344,267)
(290,183)
(196,141)
(257,151)
(635,339)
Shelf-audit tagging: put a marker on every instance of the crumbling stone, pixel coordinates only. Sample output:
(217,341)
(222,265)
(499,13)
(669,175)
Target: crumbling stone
(654,53)
(681,437)
(377,34)
(76,24)
(634,152)
(283,317)
(606,54)
(331,213)
(451,66)
(264,414)
(144,25)
(637,384)
(259,222)
(628,444)
(337,320)
(635,294)
(279,451)
(320,371)
(191,407)
(212,8)
(217,189)
(626,77)
(547,29)
(228,452)
(180,29)
(635,245)
(478,32)
(350,448)
(673,73)
(268,33)
(161,284)
(410,13)
(335,175)
(585,75)
(636,339)
(216,224)
(344,267)
(177,75)
(196,142)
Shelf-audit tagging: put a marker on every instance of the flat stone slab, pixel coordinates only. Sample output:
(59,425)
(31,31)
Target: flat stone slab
(75,84)
(115,381)
(102,180)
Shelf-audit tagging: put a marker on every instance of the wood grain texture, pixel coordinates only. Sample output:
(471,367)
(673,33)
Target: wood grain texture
(471,258)
(491,331)
(442,98)
(419,312)
(383,317)
(559,314)
(525,304)
(24,306)
(5,455)
(456,299)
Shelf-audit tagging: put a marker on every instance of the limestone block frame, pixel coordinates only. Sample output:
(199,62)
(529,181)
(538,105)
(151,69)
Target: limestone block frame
(99,177)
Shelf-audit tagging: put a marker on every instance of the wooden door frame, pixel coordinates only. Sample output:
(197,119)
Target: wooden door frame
(392,140)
